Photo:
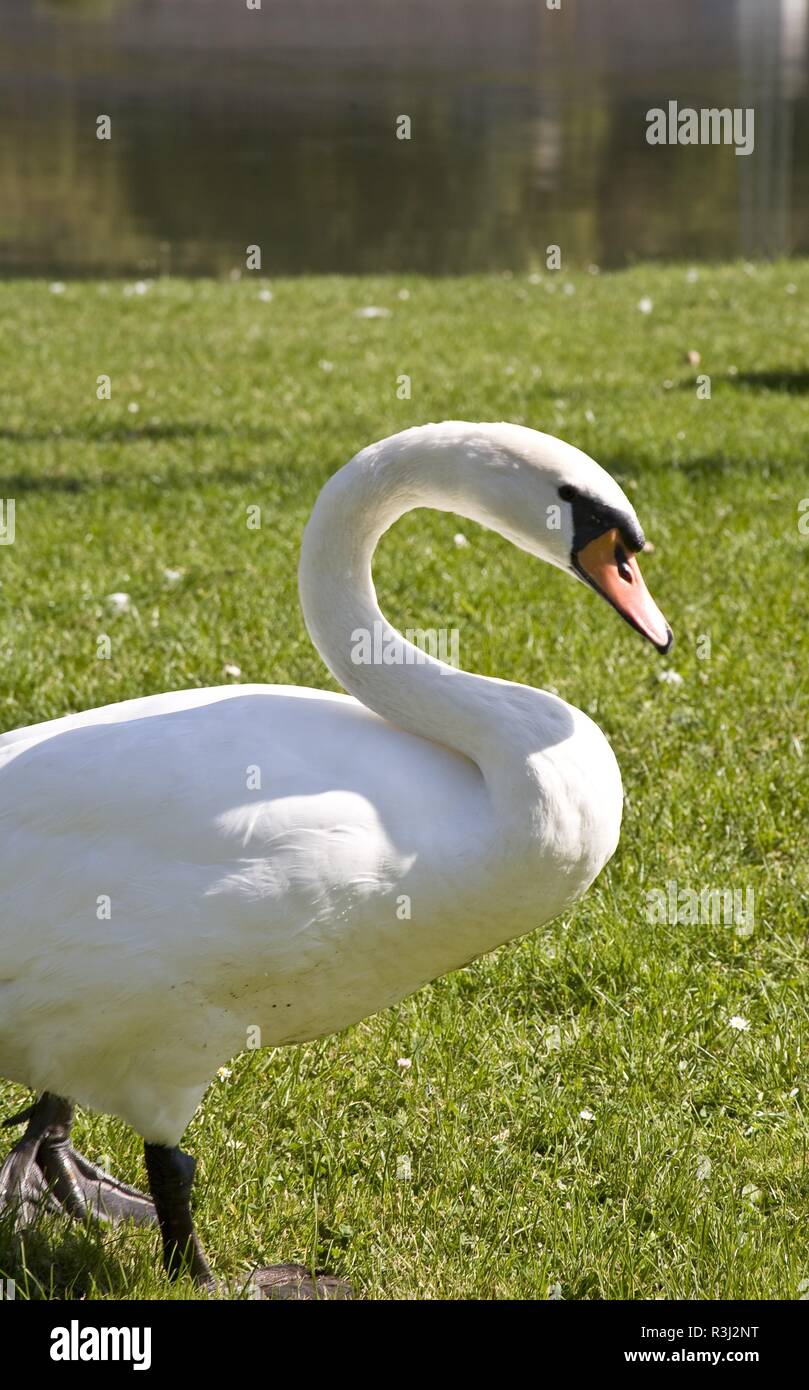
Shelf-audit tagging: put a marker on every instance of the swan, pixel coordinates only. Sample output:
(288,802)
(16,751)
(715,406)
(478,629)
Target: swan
(187,872)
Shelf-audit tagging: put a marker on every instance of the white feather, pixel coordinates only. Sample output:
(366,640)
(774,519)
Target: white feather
(286,859)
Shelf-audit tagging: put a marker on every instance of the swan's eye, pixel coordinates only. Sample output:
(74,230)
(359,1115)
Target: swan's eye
(621,561)
(567,493)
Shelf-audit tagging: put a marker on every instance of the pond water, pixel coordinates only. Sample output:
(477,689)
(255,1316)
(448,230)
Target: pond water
(277,127)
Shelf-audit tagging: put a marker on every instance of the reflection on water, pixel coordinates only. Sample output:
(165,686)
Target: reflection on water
(276,127)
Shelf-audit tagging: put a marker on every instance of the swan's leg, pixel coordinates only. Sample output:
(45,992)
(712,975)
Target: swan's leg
(80,1187)
(171,1178)
(43,1169)
(23,1190)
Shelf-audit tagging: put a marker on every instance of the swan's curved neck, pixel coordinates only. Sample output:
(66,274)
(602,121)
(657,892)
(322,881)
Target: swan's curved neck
(484,719)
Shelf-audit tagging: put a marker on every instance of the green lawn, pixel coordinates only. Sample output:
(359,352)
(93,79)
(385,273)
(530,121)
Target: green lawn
(690,1178)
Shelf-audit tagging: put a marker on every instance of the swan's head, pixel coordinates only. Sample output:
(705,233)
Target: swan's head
(604,541)
(556,502)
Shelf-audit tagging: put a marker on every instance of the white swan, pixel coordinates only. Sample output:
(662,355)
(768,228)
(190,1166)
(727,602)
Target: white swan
(180,870)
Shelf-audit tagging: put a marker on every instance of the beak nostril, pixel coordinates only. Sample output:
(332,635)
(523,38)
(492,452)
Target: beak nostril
(623,567)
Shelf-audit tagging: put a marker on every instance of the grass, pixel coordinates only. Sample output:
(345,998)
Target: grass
(690,1180)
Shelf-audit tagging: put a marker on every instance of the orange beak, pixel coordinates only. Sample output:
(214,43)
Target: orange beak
(614,572)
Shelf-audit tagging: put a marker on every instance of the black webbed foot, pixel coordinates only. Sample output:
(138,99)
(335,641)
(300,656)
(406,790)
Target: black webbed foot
(43,1171)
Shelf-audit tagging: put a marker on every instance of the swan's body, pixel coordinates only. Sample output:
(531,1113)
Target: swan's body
(277,907)
(179,870)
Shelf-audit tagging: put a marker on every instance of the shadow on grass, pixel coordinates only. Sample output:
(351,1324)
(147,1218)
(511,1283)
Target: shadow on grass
(703,466)
(126,434)
(792,383)
(173,476)
(54,1260)
(17,484)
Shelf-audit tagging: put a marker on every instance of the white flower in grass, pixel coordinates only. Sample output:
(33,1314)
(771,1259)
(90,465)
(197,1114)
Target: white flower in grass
(230,669)
(172,576)
(223,1073)
(372,311)
(459,539)
(265,296)
(133,407)
(703,1168)
(740,1024)
(404,1168)
(646,304)
(57,287)
(404,1063)
(119,602)
(555,1294)
(586,1114)
(325,365)
(140,288)
(403,294)
(670,677)
(803,1291)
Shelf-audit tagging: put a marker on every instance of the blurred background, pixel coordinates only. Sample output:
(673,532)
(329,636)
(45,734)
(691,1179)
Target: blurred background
(528,127)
